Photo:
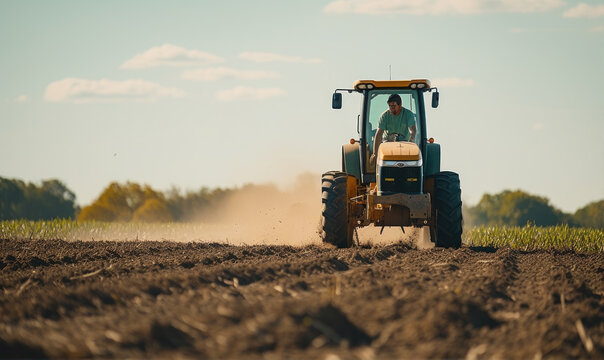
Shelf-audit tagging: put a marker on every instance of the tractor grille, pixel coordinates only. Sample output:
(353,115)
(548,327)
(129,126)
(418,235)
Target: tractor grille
(400,180)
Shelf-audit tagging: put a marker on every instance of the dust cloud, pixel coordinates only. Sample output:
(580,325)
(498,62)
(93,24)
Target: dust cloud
(284,214)
(266,214)
(291,216)
(420,237)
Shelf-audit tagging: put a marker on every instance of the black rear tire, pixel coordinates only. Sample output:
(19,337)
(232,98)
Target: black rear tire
(334,227)
(447,203)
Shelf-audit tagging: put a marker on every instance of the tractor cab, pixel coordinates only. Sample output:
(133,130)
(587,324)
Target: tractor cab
(375,103)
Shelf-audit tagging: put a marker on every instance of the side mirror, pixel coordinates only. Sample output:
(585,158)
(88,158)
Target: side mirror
(435,99)
(336,101)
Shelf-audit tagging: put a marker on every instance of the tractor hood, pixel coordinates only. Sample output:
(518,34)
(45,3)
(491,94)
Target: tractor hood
(398,151)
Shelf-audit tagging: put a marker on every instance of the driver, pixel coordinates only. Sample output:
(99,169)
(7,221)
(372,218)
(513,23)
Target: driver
(396,124)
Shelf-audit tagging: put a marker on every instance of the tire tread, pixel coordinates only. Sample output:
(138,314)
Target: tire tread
(449,226)
(334,216)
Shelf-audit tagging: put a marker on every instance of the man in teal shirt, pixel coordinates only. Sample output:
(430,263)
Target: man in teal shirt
(396,124)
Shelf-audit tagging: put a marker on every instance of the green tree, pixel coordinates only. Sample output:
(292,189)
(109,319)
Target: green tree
(52,199)
(11,197)
(591,215)
(515,208)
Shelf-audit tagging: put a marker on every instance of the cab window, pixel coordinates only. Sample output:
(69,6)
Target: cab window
(378,104)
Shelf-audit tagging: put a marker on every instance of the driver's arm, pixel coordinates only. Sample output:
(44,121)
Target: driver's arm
(377,140)
(412,131)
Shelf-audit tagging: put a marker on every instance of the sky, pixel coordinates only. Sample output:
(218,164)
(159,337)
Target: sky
(225,93)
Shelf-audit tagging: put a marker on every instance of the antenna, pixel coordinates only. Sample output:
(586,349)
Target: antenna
(390,71)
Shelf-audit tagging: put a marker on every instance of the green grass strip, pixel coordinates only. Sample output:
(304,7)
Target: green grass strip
(561,237)
(71,230)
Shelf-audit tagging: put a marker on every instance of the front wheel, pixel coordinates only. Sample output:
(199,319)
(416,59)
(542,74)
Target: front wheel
(447,203)
(334,213)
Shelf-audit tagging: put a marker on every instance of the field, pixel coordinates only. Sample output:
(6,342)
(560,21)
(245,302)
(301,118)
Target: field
(507,293)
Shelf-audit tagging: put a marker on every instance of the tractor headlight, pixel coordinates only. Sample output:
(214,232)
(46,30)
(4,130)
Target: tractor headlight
(400,163)
(413,86)
(364,86)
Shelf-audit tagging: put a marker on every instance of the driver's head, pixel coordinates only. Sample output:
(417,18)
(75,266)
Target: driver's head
(394,103)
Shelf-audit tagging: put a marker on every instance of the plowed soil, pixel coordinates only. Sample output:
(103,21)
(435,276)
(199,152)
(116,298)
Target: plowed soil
(165,300)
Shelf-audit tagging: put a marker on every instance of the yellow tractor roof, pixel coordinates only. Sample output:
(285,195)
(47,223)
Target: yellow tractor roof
(373,84)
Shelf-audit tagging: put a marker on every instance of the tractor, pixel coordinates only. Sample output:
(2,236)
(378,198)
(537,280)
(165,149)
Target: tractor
(401,184)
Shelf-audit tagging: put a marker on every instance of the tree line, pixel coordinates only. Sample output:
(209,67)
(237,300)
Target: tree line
(51,199)
(517,208)
(140,203)
(124,202)
(119,202)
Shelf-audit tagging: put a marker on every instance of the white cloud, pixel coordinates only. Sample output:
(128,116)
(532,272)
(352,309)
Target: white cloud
(247,93)
(452,82)
(263,57)
(21,99)
(217,73)
(170,55)
(83,90)
(585,11)
(538,126)
(440,7)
